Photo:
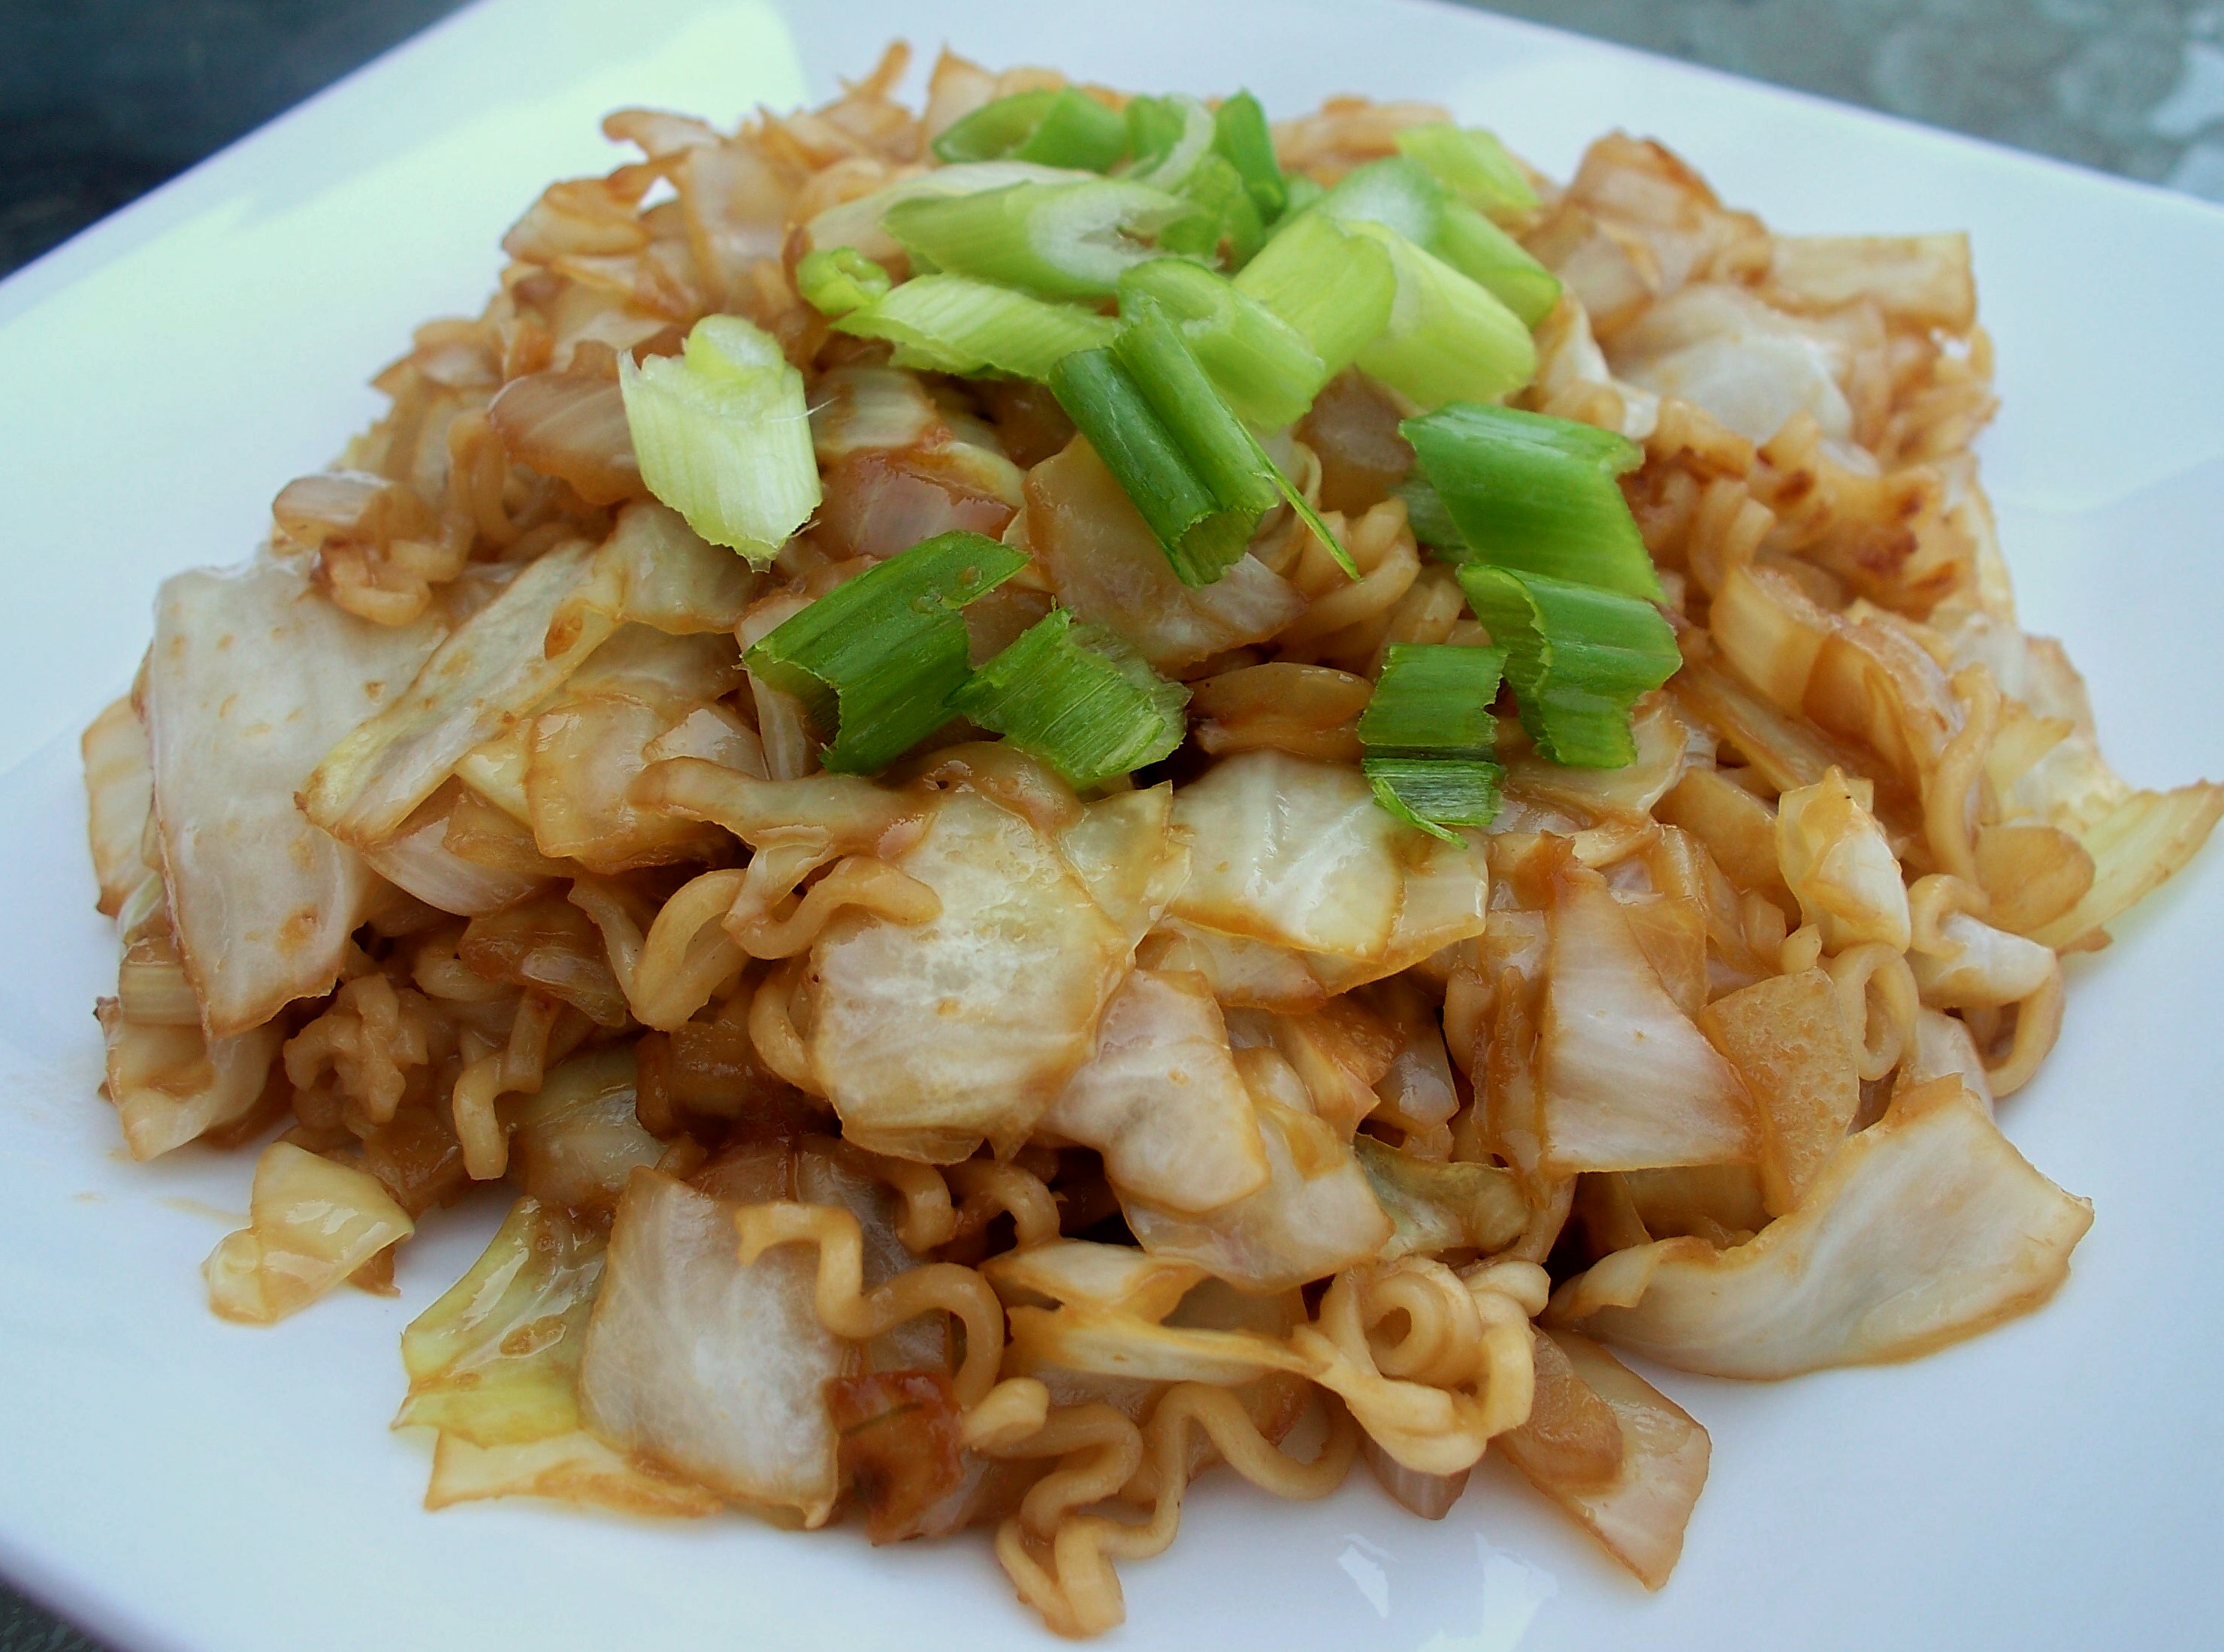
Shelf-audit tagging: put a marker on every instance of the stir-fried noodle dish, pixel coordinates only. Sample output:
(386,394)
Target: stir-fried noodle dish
(1079,787)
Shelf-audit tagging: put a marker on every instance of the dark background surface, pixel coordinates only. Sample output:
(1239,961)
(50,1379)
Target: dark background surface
(102,100)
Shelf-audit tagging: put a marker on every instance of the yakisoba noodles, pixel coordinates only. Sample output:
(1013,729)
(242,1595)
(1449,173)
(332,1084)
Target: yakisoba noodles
(999,984)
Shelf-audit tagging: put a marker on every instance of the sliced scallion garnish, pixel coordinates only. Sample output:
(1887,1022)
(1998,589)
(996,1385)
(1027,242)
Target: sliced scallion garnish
(954,324)
(1486,254)
(1473,165)
(1269,375)
(1201,536)
(1224,454)
(722,435)
(1191,467)
(1399,193)
(1448,339)
(1067,241)
(1577,656)
(1429,733)
(835,280)
(1079,698)
(1433,699)
(1334,288)
(1222,220)
(1432,524)
(1394,192)
(1065,128)
(1240,133)
(1436,794)
(1537,494)
(876,660)
(1167,136)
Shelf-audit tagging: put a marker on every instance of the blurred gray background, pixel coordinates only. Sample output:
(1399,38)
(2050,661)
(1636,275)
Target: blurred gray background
(101,100)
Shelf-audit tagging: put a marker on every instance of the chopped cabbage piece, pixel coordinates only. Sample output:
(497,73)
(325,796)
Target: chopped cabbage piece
(577,1139)
(1292,851)
(174,1084)
(575,1468)
(931,1036)
(311,1224)
(1839,865)
(1629,1082)
(119,792)
(1925,1228)
(1315,1214)
(252,678)
(496,1360)
(494,667)
(1162,1100)
(711,1368)
(1788,1039)
(1638,1507)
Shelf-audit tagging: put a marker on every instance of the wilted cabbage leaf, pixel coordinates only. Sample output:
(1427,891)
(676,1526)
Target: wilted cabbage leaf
(1441,1207)
(577,1140)
(1123,852)
(174,1084)
(575,1468)
(1315,1214)
(252,678)
(119,790)
(1629,1083)
(1619,1455)
(1839,865)
(709,1367)
(931,1036)
(311,1223)
(1788,1039)
(489,671)
(1162,1100)
(496,1360)
(1924,1228)
(1294,851)
(1750,366)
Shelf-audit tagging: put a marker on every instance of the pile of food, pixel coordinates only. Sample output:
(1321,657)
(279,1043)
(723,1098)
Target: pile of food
(1075,787)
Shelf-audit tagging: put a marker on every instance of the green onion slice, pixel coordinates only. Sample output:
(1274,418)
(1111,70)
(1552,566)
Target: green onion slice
(1435,794)
(1433,699)
(1486,254)
(722,435)
(1399,193)
(835,280)
(1201,536)
(1065,128)
(1334,288)
(1079,698)
(954,324)
(1432,524)
(1537,494)
(1068,240)
(1191,467)
(1217,444)
(1394,192)
(1429,733)
(1222,220)
(1239,134)
(1304,194)
(877,659)
(1473,165)
(1168,137)
(1448,339)
(1268,374)
(1578,658)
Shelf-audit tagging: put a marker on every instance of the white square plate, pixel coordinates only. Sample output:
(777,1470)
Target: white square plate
(175,1482)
